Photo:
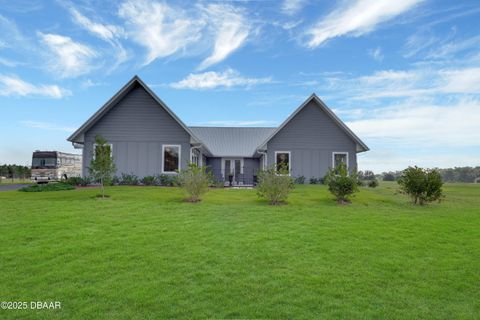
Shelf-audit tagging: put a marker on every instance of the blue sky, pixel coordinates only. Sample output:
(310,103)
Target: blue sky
(404,75)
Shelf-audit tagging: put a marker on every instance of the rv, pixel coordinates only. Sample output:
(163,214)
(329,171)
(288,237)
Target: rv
(50,166)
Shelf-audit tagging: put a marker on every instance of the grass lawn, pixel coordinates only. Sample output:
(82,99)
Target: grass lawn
(146,254)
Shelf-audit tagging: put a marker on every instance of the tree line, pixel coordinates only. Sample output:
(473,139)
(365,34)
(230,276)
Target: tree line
(14,171)
(457,174)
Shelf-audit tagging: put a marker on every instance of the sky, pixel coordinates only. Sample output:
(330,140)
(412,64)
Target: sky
(403,75)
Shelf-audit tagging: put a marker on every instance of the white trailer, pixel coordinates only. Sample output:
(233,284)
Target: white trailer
(55,166)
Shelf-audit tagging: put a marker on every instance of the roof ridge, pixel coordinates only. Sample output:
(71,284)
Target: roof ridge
(243,127)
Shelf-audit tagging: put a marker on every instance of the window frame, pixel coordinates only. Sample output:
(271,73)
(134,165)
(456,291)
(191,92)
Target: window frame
(179,158)
(108,144)
(232,161)
(289,162)
(340,152)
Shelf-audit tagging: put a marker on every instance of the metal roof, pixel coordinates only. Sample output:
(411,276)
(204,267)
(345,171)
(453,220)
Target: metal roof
(232,141)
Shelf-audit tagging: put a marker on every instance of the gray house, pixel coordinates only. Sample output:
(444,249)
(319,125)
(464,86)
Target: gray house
(147,138)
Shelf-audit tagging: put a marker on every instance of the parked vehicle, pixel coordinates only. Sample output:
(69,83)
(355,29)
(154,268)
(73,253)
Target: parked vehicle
(50,166)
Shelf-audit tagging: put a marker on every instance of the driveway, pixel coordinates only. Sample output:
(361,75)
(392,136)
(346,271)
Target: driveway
(8,187)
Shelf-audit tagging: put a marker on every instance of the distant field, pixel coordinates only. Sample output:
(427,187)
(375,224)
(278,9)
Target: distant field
(146,254)
(15,181)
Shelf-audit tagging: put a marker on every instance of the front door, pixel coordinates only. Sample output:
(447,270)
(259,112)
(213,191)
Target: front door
(233,170)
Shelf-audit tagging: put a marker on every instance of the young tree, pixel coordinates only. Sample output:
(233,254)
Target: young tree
(195,181)
(422,185)
(102,166)
(274,184)
(340,183)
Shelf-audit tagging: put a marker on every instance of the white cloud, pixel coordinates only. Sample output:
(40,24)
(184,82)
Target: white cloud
(414,83)
(465,80)
(211,80)
(163,30)
(291,7)
(230,29)
(414,124)
(70,58)
(11,85)
(104,31)
(356,19)
(8,62)
(107,32)
(46,126)
(376,54)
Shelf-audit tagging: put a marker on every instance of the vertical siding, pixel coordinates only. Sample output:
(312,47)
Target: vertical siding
(137,127)
(311,137)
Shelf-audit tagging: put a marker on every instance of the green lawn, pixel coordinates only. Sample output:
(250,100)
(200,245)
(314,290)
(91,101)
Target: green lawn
(146,254)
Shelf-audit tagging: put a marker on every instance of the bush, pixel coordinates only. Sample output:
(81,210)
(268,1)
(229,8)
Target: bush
(195,181)
(48,187)
(313,180)
(300,180)
(78,181)
(340,183)
(148,180)
(273,186)
(422,185)
(167,180)
(128,179)
(373,183)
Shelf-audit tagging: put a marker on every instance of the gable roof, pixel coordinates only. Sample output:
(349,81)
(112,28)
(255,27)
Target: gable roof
(361,146)
(77,136)
(232,141)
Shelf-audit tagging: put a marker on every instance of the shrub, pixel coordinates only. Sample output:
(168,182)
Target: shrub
(128,179)
(313,180)
(274,185)
(48,187)
(148,180)
(78,181)
(195,181)
(388,177)
(373,183)
(300,180)
(340,183)
(167,180)
(422,185)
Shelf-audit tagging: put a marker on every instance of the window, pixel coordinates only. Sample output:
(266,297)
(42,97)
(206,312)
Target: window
(282,161)
(339,157)
(97,149)
(39,163)
(171,158)
(195,158)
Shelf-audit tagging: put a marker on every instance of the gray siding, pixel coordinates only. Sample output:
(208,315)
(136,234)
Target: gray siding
(311,137)
(137,127)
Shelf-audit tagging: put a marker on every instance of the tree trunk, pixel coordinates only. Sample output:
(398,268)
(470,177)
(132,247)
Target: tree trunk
(103,188)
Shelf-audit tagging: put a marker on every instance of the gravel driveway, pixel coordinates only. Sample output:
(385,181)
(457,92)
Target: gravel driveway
(8,187)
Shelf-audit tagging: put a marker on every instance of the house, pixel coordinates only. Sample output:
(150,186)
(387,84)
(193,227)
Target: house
(147,138)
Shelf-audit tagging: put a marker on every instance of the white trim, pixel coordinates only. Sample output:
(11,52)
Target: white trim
(289,160)
(179,157)
(199,156)
(338,152)
(95,146)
